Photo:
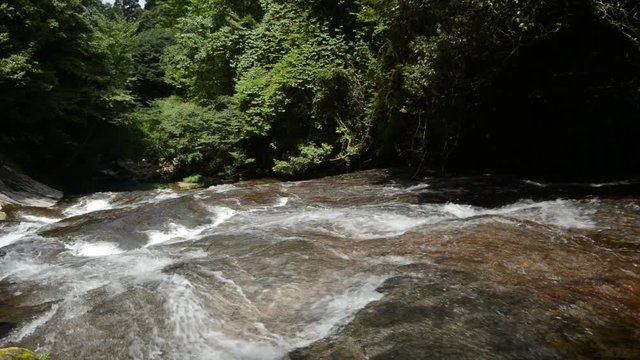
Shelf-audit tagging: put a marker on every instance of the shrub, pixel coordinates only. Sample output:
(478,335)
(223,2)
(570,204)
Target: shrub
(185,137)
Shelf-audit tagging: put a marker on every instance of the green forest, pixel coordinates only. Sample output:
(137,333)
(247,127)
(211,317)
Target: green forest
(234,89)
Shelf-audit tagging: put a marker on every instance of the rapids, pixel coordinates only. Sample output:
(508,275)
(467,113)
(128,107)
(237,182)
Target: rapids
(360,266)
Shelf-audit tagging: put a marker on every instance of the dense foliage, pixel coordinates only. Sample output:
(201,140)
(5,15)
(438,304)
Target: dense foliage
(302,87)
(63,75)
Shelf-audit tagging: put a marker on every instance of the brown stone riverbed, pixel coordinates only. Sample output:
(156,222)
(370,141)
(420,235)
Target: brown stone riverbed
(359,266)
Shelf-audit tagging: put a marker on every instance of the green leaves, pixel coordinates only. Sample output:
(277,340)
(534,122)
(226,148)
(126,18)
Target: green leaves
(113,42)
(296,89)
(278,63)
(66,70)
(149,82)
(435,60)
(208,39)
(293,87)
(187,138)
(310,156)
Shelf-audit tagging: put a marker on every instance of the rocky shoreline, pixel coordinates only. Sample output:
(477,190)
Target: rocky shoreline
(17,188)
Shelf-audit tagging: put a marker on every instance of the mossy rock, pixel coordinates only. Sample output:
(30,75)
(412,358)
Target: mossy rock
(15,353)
(181,185)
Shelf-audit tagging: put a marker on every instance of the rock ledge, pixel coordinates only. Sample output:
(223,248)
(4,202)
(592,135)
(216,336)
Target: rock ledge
(19,189)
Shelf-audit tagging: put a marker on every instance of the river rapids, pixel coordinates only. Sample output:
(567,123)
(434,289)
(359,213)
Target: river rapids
(359,266)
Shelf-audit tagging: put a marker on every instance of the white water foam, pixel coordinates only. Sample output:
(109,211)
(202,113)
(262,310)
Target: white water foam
(96,249)
(219,275)
(198,335)
(34,324)
(460,211)
(396,260)
(561,213)
(175,231)
(377,225)
(222,188)
(389,220)
(360,222)
(96,202)
(337,310)
(158,196)
(222,214)
(165,194)
(68,285)
(22,269)
(19,232)
(535,183)
(418,187)
(39,219)
(611,183)
(282,201)
(178,232)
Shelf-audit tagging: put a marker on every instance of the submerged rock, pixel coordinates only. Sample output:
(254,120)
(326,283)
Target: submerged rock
(3,216)
(15,353)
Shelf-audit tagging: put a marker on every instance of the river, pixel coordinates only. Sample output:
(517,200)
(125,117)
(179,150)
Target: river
(358,266)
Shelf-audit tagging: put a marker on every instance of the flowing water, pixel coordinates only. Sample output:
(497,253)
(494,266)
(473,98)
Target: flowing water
(359,266)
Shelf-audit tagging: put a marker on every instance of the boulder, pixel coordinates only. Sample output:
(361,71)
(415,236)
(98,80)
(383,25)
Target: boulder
(18,188)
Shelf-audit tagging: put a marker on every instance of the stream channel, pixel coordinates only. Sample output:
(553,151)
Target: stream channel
(358,266)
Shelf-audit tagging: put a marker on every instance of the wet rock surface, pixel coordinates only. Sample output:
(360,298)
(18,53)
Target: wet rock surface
(512,290)
(18,188)
(360,266)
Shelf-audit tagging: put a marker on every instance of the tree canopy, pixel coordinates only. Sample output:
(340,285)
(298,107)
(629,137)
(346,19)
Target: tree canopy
(303,87)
